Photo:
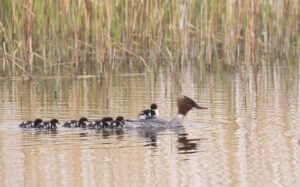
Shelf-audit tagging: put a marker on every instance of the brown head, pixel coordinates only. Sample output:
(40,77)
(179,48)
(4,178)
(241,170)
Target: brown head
(54,121)
(106,119)
(83,119)
(185,104)
(153,106)
(37,121)
(120,118)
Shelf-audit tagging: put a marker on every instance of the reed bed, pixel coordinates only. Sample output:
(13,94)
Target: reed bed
(43,37)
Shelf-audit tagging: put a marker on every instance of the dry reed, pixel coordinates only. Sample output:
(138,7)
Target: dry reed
(46,38)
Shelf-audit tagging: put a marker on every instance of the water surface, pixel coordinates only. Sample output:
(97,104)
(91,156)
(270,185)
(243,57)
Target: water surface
(249,136)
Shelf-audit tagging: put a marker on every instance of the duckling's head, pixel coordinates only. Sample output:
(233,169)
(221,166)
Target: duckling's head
(83,119)
(37,121)
(153,106)
(54,121)
(120,118)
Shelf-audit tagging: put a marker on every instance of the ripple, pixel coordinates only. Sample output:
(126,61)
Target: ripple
(248,136)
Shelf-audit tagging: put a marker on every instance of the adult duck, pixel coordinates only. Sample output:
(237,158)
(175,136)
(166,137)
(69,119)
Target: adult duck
(184,105)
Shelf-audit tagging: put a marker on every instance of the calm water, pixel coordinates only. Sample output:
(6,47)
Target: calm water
(248,137)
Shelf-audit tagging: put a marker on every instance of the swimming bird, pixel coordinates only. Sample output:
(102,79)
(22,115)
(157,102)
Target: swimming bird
(107,122)
(31,124)
(52,124)
(118,123)
(83,122)
(149,113)
(100,124)
(184,105)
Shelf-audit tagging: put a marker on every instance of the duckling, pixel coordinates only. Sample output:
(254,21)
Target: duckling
(118,123)
(106,122)
(99,124)
(83,122)
(31,124)
(52,124)
(149,113)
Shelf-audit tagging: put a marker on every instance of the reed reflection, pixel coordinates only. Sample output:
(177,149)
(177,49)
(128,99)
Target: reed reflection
(251,126)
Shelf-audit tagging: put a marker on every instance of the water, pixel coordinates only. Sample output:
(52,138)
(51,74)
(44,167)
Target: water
(249,136)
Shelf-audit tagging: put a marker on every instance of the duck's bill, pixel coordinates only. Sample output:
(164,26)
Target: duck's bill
(200,107)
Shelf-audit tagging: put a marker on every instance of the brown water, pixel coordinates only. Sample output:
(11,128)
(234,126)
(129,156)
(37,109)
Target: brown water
(248,137)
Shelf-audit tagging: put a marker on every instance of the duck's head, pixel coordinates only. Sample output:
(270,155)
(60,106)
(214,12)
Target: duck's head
(105,119)
(83,120)
(54,121)
(185,104)
(120,118)
(37,121)
(153,106)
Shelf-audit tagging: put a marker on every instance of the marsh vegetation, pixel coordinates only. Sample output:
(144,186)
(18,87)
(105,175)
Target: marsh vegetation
(89,37)
(238,58)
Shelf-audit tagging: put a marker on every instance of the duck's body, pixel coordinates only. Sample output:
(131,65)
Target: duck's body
(184,104)
(153,122)
(118,123)
(107,122)
(100,124)
(52,124)
(97,124)
(82,122)
(31,124)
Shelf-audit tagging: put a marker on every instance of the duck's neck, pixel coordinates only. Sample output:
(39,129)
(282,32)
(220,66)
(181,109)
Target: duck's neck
(177,120)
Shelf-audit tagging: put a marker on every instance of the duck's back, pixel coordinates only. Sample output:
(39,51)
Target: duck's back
(153,122)
(71,123)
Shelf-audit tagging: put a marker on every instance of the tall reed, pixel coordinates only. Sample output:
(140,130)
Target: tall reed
(37,36)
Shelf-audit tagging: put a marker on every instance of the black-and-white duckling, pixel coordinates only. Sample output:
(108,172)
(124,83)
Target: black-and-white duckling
(100,124)
(31,124)
(52,124)
(83,122)
(106,122)
(97,124)
(149,113)
(118,123)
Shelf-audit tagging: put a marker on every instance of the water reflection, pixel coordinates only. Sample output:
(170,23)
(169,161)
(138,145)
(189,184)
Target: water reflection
(187,146)
(248,137)
(38,132)
(152,142)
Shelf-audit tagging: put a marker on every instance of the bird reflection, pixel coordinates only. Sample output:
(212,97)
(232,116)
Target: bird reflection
(106,133)
(38,132)
(187,146)
(82,135)
(150,136)
(152,142)
(119,133)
